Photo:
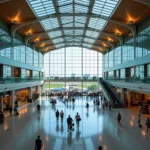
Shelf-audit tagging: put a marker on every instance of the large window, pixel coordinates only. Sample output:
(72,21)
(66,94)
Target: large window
(139,72)
(6,71)
(73,62)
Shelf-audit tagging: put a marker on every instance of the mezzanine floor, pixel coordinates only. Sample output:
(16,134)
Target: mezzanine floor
(97,127)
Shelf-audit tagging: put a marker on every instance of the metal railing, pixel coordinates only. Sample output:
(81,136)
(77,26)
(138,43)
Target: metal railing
(71,78)
(7,80)
(130,79)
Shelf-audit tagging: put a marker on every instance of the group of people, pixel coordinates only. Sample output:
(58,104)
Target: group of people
(70,121)
(147,123)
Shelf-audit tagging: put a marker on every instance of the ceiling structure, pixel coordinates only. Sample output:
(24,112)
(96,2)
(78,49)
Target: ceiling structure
(93,24)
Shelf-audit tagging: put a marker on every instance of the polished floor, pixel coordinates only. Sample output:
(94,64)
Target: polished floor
(97,127)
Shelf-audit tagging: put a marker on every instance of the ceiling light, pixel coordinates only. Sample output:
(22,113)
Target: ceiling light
(131,22)
(15,22)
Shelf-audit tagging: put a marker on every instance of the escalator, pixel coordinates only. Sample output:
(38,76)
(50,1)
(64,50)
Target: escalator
(110,94)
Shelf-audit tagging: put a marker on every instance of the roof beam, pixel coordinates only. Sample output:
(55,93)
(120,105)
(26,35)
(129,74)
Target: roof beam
(146,2)
(71,28)
(65,46)
(89,16)
(78,36)
(14,28)
(57,14)
(68,42)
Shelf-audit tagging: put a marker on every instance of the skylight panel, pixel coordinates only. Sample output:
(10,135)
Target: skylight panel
(79,9)
(64,2)
(66,9)
(60,45)
(93,34)
(68,32)
(66,19)
(42,7)
(79,24)
(58,40)
(50,23)
(78,32)
(97,23)
(54,34)
(87,45)
(83,2)
(2,32)
(89,40)
(68,25)
(6,39)
(105,7)
(80,19)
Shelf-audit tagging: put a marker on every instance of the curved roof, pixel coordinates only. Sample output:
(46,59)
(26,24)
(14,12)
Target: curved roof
(53,24)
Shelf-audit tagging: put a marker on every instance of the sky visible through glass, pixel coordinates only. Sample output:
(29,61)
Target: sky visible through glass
(73,63)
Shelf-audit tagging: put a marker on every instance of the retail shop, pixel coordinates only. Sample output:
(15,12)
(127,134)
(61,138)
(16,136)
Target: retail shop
(5,100)
(22,96)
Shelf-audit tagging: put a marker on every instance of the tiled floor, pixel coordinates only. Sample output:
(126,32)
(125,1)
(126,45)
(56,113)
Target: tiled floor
(97,127)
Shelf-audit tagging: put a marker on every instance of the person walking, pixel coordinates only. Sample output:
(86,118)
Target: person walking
(38,108)
(119,118)
(139,120)
(78,119)
(10,110)
(147,123)
(38,143)
(57,114)
(69,123)
(62,115)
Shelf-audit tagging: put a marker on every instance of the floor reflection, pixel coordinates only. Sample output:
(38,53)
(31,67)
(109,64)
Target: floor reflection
(97,127)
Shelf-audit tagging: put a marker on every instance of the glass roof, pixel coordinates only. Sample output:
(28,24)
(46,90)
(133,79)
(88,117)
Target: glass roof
(69,20)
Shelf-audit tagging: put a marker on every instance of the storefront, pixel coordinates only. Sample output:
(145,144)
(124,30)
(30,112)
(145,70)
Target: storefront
(22,96)
(5,101)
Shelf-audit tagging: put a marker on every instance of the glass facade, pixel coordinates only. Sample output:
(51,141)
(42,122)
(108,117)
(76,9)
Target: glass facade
(139,72)
(73,62)
(7,72)
(23,73)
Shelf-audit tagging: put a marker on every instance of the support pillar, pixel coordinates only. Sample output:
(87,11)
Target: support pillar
(30,90)
(13,99)
(2,103)
(122,94)
(129,98)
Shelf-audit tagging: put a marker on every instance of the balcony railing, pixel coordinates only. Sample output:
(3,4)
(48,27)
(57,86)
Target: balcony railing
(19,79)
(130,79)
(70,78)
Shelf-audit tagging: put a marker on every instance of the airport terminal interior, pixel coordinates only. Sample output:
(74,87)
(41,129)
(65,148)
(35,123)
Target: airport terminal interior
(74,74)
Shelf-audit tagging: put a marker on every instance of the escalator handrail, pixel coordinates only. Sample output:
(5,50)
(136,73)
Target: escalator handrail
(113,91)
(106,91)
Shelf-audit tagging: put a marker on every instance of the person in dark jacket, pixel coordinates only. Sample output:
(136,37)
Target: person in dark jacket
(69,122)
(38,143)
(57,114)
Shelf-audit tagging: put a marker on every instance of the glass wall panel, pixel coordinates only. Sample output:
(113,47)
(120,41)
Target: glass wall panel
(117,53)
(111,59)
(139,72)
(29,57)
(23,73)
(122,73)
(7,71)
(36,58)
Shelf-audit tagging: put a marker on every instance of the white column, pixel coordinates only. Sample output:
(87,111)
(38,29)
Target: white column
(13,98)
(2,103)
